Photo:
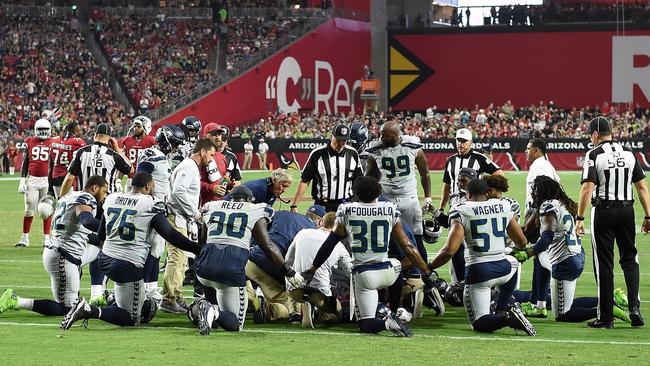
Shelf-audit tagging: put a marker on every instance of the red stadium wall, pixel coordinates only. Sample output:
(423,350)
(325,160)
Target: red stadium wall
(320,72)
(578,69)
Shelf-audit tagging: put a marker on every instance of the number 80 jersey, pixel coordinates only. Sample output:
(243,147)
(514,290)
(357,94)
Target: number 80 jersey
(485,224)
(369,226)
(231,223)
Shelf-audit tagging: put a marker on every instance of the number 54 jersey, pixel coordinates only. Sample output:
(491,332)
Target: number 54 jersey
(485,225)
(231,223)
(369,226)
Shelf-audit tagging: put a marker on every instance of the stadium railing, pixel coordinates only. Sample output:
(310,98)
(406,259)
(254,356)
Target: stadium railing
(207,12)
(37,11)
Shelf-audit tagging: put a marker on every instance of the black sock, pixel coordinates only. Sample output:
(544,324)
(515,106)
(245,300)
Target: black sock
(49,307)
(521,296)
(372,325)
(505,293)
(116,315)
(96,273)
(489,323)
(395,293)
(151,269)
(585,302)
(228,321)
(578,315)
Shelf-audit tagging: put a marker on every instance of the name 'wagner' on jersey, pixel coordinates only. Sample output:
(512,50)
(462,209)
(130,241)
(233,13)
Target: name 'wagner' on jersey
(231,223)
(127,217)
(397,166)
(565,241)
(485,224)
(69,234)
(369,226)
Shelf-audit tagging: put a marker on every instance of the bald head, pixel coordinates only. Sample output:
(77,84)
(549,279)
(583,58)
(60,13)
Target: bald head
(390,133)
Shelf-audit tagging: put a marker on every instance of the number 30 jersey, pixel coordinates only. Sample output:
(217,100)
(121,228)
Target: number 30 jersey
(397,167)
(565,241)
(127,217)
(231,223)
(68,232)
(485,225)
(369,226)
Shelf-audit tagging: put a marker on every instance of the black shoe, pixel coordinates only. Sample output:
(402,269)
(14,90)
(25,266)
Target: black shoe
(600,324)
(295,318)
(636,318)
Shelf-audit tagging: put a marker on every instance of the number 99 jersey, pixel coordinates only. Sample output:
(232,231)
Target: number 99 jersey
(369,227)
(565,241)
(397,166)
(127,217)
(231,223)
(485,225)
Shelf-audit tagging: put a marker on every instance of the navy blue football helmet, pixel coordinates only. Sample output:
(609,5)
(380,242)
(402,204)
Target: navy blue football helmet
(358,136)
(192,126)
(169,137)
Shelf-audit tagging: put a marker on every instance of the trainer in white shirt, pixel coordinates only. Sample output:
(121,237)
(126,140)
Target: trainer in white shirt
(539,165)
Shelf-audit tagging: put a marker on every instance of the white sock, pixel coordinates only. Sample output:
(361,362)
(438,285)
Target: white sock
(541,304)
(26,236)
(150,286)
(25,303)
(96,290)
(258,291)
(46,236)
(216,312)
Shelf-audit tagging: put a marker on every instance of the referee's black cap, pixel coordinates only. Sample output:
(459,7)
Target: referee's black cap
(600,125)
(468,172)
(341,132)
(103,129)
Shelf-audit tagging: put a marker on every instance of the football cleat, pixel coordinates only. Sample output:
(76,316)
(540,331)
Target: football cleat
(307,315)
(79,311)
(517,320)
(532,311)
(636,318)
(418,299)
(599,324)
(24,242)
(9,301)
(206,315)
(259,317)
(397,326)
(99,301)
(295,318)
(621,314)
(434,300)
(620,298)
(172,307)
(404,315)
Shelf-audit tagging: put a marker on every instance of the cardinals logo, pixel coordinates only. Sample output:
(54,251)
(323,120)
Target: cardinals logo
(288,163)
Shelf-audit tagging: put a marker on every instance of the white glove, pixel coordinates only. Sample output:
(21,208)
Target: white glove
(192,230)
(404,315)
(22,186)
(295,279)
(428,203)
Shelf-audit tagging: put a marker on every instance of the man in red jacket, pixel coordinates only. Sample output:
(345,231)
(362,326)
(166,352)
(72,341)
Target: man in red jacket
(214,176)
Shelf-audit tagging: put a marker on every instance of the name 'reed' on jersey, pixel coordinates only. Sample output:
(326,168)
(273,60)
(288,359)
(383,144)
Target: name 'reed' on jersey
(68,232)
(397,166)
(369,226)
(231,223)
(62,154)
(38,153)
(127,217)
(565,241)
(155,162)
(485,225)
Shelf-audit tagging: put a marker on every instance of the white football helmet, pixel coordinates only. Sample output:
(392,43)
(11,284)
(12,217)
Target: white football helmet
(143,121)
(45,207)
(42,129)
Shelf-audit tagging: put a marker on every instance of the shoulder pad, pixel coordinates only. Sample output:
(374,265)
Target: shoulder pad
(412,145)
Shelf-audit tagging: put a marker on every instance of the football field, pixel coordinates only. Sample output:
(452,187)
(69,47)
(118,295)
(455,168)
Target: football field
(29,338)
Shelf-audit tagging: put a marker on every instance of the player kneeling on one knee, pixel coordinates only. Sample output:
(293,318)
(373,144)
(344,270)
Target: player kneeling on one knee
(129,220)
(482,224)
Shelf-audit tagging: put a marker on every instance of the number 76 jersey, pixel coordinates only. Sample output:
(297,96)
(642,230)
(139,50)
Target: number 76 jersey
(231,223)
(485,224)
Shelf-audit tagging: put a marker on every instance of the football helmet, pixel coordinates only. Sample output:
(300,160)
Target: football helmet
(45,207)
(358,136)
(169,137)
(42,129)
(431,230)
(143,121)
(193,127)
(454,294)
(149,310)
(383,311)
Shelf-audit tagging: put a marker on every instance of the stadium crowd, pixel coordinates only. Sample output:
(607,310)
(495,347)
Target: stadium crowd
(506,121)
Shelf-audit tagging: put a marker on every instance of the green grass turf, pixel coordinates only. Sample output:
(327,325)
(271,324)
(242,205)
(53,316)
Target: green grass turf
(29,338)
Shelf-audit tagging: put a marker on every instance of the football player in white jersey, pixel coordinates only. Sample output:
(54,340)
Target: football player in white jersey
(74,221)
(153,160)
(191,127)
(369,224)
(483,223)
(228,227)
(125,229)
(566,257)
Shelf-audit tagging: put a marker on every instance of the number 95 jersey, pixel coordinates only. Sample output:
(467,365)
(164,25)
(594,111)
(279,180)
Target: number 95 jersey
(369,226)
(231,223)
(485,225)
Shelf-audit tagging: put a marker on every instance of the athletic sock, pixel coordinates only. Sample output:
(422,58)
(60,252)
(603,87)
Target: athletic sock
(49,307)
(505,293)
(489,323)
(47,226)
(585,302)
(96,275)
(25,303)
(116,315)
(27,224)
(96,290)
(541,304)
(372,325)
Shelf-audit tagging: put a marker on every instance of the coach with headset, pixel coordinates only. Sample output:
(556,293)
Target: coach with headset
(609,172)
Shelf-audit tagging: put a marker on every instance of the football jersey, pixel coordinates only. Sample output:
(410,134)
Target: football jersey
(231,223)
(485,225)
(565,241)
(161,173)
(62,153)
(38,153)
(397,167)
(68,233)
(132,147)
(369,226)
(127,217)
(183,151)
(457,198)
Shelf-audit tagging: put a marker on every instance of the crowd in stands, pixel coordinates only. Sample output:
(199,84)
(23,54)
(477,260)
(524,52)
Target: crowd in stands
(44,64)
(506,121)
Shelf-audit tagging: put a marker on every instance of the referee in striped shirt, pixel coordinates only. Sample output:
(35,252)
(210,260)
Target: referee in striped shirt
(609,172)
(333,168)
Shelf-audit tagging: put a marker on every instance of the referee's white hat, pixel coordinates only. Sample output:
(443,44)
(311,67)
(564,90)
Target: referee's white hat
(464,134)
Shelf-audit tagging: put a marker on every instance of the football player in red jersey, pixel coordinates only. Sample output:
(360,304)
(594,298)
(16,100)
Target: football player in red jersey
(138,141)
(62,153)
(33,181)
